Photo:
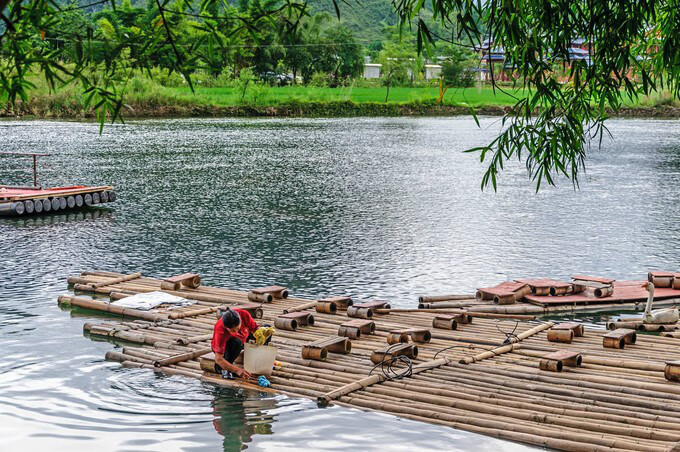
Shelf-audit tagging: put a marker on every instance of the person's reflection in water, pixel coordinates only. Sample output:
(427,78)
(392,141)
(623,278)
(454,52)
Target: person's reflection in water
(238,419)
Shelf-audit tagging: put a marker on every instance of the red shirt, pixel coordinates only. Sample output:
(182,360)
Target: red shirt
(221,334)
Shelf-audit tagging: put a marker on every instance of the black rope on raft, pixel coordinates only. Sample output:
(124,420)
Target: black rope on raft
(509,336)
(469,347)
(387,366)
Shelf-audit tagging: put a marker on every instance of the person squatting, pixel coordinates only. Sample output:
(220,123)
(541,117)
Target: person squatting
(232,330)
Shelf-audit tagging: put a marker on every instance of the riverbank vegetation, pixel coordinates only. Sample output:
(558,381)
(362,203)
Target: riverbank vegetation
(161,94)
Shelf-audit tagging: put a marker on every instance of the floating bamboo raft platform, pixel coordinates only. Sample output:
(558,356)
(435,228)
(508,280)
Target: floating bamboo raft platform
(500,377)
(18,201)
(545,296)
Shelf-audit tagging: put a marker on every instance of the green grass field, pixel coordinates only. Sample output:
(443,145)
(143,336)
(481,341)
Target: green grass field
(287,94)
(147,97)
(275,96)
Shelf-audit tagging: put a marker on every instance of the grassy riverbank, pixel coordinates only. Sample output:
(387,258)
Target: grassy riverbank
(148,98)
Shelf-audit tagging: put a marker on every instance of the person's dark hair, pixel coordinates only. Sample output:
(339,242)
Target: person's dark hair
(230,318)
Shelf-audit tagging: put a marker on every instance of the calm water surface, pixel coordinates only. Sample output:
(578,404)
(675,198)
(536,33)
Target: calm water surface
(383,207)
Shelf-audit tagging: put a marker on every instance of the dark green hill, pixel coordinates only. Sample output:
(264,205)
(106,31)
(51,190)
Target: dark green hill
(365,19)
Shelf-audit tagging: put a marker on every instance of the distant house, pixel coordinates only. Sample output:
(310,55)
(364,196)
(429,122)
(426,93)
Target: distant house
(432,71)
(495,64)
(372,70)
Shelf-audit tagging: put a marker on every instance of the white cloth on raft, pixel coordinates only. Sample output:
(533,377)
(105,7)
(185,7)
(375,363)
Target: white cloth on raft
(147,301)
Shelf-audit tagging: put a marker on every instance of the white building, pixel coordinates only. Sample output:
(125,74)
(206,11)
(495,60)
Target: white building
(372,70)
(432,71)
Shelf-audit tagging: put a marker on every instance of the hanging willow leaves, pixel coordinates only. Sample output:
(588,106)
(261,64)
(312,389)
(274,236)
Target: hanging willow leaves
(634,50)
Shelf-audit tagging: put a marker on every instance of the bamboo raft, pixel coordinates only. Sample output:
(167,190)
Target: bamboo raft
(491,375)
(546,296)
(19,201)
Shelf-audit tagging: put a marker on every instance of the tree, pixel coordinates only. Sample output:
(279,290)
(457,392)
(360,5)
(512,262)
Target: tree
(634,49)
(397,66)
(340,54)
(456,67)
(303,45)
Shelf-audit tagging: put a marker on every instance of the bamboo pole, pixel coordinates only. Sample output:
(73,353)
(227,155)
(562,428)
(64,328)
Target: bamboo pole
(485,315)
(509,347)
(440,298)
(301,307)
(116,280)
(181,357)
(106,307)
(374,379)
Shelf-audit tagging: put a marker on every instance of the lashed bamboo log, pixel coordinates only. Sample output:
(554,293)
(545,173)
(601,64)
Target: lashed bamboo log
(439,298)
(481,315)
(449,304)
(181,357)
(373,379)
(506,348)
(116,280)
(302,307)
(624,324)
(106,307)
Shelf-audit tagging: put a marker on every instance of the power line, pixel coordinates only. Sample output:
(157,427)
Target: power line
(75,8)
(243,46)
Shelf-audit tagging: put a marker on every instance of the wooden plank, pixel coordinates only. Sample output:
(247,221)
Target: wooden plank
(260,293)
(58,193)
(594,279)
(340,302)
(577,328)
(373,305)
(392,351)
(180,278)
(562,355)
(268,289)
(355,328)
(619,338)
(303,318)
(366,326)
(557,360)
(335,344)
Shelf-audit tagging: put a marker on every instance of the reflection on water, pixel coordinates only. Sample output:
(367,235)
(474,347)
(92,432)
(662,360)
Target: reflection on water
(366,207)
(84,214)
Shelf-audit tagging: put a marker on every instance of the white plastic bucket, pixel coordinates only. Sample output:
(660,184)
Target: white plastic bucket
(259,359)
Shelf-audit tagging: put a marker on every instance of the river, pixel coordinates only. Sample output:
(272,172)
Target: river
(372,207)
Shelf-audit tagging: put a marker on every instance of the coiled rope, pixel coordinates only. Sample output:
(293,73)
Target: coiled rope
(389,369)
